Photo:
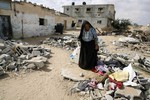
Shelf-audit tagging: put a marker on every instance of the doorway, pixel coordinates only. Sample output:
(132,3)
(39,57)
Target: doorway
(5,27)
(65,24)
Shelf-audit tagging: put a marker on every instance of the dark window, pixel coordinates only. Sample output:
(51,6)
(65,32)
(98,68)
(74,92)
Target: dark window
(80,21)
(77,9)
(67,9)
(88,9)
(41,21)
(99,22)
(100,9)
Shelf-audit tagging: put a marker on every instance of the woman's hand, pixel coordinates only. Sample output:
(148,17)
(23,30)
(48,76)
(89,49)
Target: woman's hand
(96,47)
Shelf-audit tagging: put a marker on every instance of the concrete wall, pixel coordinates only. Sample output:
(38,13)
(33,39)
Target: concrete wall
(25,20)
(105,15)
(62,19)
(28,25)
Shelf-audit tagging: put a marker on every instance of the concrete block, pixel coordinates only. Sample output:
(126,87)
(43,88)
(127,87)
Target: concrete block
(128,91)
(5,56)
(12,66)
(108,97)
(38,61)
(67,74)
(2,72)
(36,53)
(2,46)
(31,66)
(23,57)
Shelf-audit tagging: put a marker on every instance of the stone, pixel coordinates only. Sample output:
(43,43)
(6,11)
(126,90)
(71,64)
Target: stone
(147,62)
(39,63)
(2,72)
(100,86)
(23,57)
(2,46)
(36,53)
(136,57)
(69,75)
(96,95)
(128,91)
(46,54)
(12,66)
(108,97)
(128,40)
(31,66)
(81,75)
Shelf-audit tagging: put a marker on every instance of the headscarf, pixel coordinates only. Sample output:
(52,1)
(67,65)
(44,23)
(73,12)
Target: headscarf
(82,29)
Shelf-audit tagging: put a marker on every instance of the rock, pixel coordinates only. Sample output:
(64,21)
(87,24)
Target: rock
(12,66)
(136,58)
(128,40)
(108,97)
(81,75)
(69,75)
(31,66)
(96,95)
(128,91)
(147,62)
(2,46)
(100,86)
(23,57)
(2,72)
(36,53)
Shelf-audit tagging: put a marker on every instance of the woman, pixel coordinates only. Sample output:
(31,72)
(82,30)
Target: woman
(89,46)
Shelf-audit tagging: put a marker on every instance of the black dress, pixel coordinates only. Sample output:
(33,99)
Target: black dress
(88,55)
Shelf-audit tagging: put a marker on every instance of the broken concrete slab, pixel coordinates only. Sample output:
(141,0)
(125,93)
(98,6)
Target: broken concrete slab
(128,91)
(69,75)
(128,40)
(36,53)
(31,66)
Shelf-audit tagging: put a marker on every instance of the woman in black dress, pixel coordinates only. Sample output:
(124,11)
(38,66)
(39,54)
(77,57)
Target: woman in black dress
(89,46)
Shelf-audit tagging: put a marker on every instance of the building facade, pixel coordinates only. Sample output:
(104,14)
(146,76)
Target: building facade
(29,19)
(99,16)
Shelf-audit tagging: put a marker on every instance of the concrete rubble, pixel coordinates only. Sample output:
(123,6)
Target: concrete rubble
(121,81)
(134,44)
(16,55)
(67,42)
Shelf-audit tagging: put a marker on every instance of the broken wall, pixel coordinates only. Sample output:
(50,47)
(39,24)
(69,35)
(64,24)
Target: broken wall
(31,20)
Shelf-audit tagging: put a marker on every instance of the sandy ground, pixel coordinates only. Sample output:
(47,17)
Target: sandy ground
(47,83)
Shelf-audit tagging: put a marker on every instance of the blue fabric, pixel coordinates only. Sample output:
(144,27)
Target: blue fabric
(90,35)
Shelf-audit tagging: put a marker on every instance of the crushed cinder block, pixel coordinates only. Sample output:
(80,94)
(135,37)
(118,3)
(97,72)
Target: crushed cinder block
(38,61)
(36,53)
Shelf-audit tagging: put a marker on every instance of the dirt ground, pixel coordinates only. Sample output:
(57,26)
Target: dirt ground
(47,83)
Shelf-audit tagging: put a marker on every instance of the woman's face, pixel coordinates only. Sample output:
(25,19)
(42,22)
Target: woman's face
(87,27)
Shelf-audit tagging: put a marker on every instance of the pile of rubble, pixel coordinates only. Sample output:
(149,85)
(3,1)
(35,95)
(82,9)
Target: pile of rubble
(67,42)
(16,55)
(133,44)
(116,78)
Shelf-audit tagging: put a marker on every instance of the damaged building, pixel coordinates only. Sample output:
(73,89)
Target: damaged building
(100,16)
(29,19)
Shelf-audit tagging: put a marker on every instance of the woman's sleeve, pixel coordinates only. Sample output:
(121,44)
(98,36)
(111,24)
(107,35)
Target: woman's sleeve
(95,36)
